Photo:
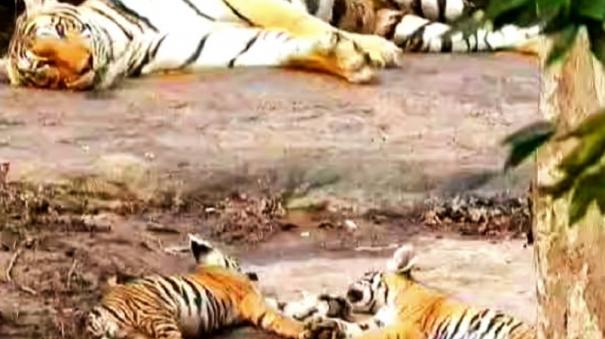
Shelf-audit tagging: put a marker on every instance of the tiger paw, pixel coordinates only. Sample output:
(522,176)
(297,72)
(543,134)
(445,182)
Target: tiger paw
(381,52)
(337,306)
(353,57)
(323,328)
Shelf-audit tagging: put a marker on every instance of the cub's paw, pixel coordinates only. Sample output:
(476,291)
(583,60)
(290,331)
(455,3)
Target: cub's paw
(323,328)
(336,306)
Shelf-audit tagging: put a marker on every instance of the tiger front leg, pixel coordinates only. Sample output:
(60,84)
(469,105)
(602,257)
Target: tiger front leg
(255,310)
(281,15)
(332,52)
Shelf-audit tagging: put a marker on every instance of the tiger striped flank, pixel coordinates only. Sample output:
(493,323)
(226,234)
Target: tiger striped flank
(213,296)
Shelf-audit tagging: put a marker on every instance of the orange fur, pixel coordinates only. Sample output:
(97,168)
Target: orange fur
(147,315)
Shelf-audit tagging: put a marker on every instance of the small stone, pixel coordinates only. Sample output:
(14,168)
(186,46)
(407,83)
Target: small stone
(350,225)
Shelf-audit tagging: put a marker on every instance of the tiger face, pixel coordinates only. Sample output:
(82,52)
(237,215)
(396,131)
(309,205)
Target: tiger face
(52,48)
(368,293)
(375,288)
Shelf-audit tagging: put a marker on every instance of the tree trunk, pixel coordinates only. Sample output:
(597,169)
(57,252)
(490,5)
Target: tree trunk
(569,259)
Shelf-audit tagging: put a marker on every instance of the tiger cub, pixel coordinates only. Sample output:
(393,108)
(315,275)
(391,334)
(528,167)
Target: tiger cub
(401,307)
(215,295)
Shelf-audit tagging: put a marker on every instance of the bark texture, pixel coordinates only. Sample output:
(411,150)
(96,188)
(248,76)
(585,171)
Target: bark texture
(570,259)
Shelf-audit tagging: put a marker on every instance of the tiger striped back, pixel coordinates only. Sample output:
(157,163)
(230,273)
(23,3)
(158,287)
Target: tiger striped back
(215,295)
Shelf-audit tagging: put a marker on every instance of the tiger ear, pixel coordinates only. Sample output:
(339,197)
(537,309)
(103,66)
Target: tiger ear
(403,260)
(200,248)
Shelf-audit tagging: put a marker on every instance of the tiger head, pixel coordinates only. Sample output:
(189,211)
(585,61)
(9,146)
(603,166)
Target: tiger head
(375,288)
(52,47)
(205,254)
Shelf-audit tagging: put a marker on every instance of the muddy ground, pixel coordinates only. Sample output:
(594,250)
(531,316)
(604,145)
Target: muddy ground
(57,260)
(302,176)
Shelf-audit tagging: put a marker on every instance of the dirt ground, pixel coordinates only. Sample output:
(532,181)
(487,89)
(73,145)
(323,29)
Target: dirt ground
(302,176)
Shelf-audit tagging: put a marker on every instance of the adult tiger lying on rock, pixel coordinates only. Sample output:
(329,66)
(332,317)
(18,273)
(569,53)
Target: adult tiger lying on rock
(92,45)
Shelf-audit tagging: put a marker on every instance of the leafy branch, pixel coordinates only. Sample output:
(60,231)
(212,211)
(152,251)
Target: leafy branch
(561,20)
(582,169)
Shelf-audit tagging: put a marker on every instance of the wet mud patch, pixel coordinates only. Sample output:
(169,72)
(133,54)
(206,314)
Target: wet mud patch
(61,244)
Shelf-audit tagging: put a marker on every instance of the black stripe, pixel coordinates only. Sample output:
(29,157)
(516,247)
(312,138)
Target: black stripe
(110,46)
(312,6)
(446,43)
(442,328)
(127,33)
(338,10)
(498,330)
(197,11)
(196,54)
(512,329)
(215,313)
(417,7)
(113,313)
(261,318)
(154,51)
(246,48)
(238,14)
(133,14)
(168,298)
(489,47)
(475,323)
(198,296)
(441,7)
(491,324)
(460,320)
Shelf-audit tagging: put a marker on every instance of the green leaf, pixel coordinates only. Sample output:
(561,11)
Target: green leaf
(526,141)
(594,123)
(550,8)
(562,43)
(592,9)
(596,36)
(588,189)
(583,156)
(499,7)
(521,16)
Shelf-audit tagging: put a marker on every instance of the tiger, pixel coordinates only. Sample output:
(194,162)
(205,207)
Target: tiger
(401,307)
(215,295)
(420,25)
(90,46)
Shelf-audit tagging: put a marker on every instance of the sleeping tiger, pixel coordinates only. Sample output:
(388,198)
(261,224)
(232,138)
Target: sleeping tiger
(214,296)
(60,46)
(401,307)
(92,45)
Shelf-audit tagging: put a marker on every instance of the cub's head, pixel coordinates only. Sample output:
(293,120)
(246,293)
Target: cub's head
(374,288)
(52,47)
(205,254)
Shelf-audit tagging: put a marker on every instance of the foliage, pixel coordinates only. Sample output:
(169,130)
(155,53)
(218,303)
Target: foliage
(560,19)
(582,169)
